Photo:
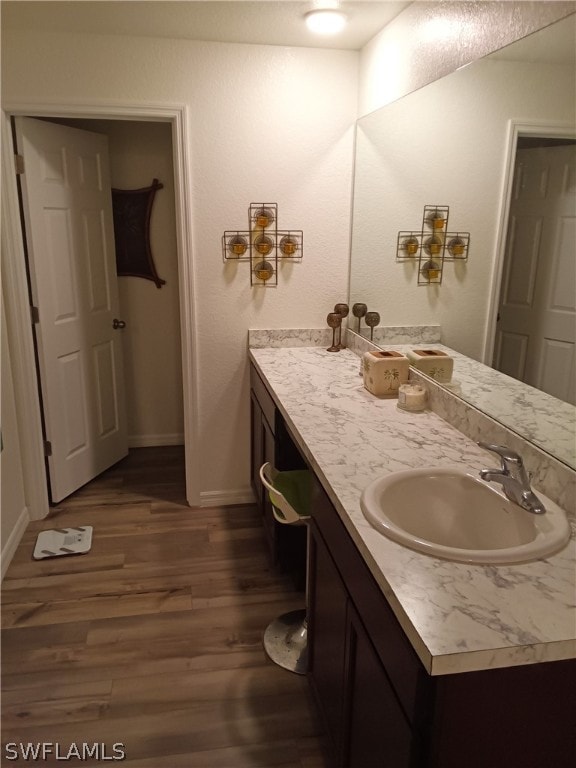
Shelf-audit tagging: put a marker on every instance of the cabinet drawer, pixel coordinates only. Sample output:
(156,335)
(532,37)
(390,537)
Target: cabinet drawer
(263,397)
(403,666)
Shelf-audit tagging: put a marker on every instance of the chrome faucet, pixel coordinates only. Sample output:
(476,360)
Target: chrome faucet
(513,477)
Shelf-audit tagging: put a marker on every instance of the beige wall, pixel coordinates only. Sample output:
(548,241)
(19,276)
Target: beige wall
(267,123)
(12,493)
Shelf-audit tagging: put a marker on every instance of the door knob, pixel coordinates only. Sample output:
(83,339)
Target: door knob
(118,324)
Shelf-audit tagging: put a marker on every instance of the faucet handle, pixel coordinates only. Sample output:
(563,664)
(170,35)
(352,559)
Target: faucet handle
(512,463)
(507,455)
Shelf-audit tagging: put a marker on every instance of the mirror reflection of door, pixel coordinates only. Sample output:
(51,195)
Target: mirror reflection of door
(536,331)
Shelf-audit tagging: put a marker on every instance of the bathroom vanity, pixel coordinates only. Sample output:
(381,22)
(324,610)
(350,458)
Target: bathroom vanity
(414,661)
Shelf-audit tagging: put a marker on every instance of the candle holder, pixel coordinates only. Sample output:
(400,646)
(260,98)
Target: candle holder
(342,310)
(372,319)
(433,245)
(263,244)
(412,397)
(359,310)
(334,321)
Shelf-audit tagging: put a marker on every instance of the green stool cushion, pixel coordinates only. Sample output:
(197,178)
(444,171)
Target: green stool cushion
(296,487)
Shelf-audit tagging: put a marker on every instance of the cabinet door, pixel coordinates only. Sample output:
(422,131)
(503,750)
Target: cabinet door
(379,735)
(256,452)
(328,601)
(270,524)
(261,451)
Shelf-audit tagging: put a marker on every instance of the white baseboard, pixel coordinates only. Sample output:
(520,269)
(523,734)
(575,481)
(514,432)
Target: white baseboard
(151,441)
(227,498)
(13,540)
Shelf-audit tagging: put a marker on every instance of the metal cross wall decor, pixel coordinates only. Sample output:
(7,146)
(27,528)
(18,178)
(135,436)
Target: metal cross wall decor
(263,244)
(432,245)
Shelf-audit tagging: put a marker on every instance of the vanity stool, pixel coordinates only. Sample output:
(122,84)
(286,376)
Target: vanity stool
(286,638)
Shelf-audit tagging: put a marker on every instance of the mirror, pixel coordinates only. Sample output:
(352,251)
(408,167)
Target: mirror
(452,143)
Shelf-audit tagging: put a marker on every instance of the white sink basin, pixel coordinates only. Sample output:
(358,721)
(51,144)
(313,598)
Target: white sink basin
(451,514)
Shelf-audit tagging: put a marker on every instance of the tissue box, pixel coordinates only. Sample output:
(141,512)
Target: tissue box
(434,363)
(384,372)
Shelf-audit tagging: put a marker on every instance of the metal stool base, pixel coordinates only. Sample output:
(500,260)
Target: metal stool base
(286,641)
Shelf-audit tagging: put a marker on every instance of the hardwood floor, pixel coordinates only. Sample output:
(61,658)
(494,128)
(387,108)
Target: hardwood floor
(153,639)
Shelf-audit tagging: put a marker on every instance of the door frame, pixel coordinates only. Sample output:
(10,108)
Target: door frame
(17,303)
(516,129)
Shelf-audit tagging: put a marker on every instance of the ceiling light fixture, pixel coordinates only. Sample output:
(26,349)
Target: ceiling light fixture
(326,18)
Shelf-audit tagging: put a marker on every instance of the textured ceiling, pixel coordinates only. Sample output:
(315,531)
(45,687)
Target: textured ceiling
(271,22)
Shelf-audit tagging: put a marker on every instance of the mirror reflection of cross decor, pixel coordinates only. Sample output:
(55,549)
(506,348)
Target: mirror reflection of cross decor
(263,244)
(131,209)
(432,245)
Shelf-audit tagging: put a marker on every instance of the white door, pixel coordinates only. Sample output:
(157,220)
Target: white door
(535,340)
(70,240)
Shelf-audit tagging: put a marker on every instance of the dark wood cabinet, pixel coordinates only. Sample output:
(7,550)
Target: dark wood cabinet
(262,451)
(364,723)
(377,731)
(379,706)
(365,720)
(516,716)
(327,624)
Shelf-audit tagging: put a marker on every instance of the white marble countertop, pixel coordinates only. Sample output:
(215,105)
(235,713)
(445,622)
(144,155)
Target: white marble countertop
(458,617)
(544,420)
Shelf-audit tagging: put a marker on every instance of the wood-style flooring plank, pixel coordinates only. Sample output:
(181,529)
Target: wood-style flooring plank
(209,581)
(152,694)
(154,638)
(64,708)
(280,754)
(206,726)
(136,646)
